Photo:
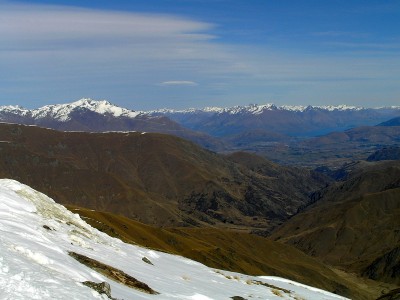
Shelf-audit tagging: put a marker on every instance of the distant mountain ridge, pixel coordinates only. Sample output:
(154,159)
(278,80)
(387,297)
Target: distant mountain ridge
(212,127)
(99,116)
(391,122)
(259,108)
(64,112)
(287,120)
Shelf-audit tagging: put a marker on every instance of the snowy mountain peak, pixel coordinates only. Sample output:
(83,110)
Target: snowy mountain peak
(47,252)
(14,109)
(341,107)
(11,107)
(252,109)
(90,102)
(104,107)
(62,112)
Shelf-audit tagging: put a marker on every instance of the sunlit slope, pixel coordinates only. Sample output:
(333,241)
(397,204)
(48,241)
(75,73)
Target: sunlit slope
(234,251)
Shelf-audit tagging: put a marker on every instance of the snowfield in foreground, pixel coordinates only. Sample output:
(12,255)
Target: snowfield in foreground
(37,237)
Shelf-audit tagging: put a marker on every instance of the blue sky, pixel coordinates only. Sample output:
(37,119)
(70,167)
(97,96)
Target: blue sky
(195,53)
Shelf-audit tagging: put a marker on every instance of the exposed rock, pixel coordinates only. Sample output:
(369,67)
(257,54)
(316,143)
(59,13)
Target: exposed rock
(101,288)
(147,261)
(113,273)
(47,227)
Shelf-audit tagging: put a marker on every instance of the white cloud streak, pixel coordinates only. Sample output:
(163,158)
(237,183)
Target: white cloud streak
(65,22)
(178,82)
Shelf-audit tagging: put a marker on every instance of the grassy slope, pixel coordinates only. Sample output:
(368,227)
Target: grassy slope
(355,225)
(352,234)
(234,251)
(154,178)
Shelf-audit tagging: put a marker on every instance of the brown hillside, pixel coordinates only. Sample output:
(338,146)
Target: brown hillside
(357,136)
(154,178)
(386,153)
(234,251)
(289,179)
(355,225)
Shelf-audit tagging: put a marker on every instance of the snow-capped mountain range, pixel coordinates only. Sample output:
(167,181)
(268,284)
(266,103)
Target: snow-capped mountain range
(63,112)
(258,109)
(47,252)
(100,116)
(92,115)
(286,119)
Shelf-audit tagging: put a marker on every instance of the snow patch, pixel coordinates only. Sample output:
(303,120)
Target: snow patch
(199,297)
(40,258)
(153,254)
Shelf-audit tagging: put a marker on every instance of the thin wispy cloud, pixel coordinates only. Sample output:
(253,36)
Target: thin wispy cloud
(39,26)
(178,82)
